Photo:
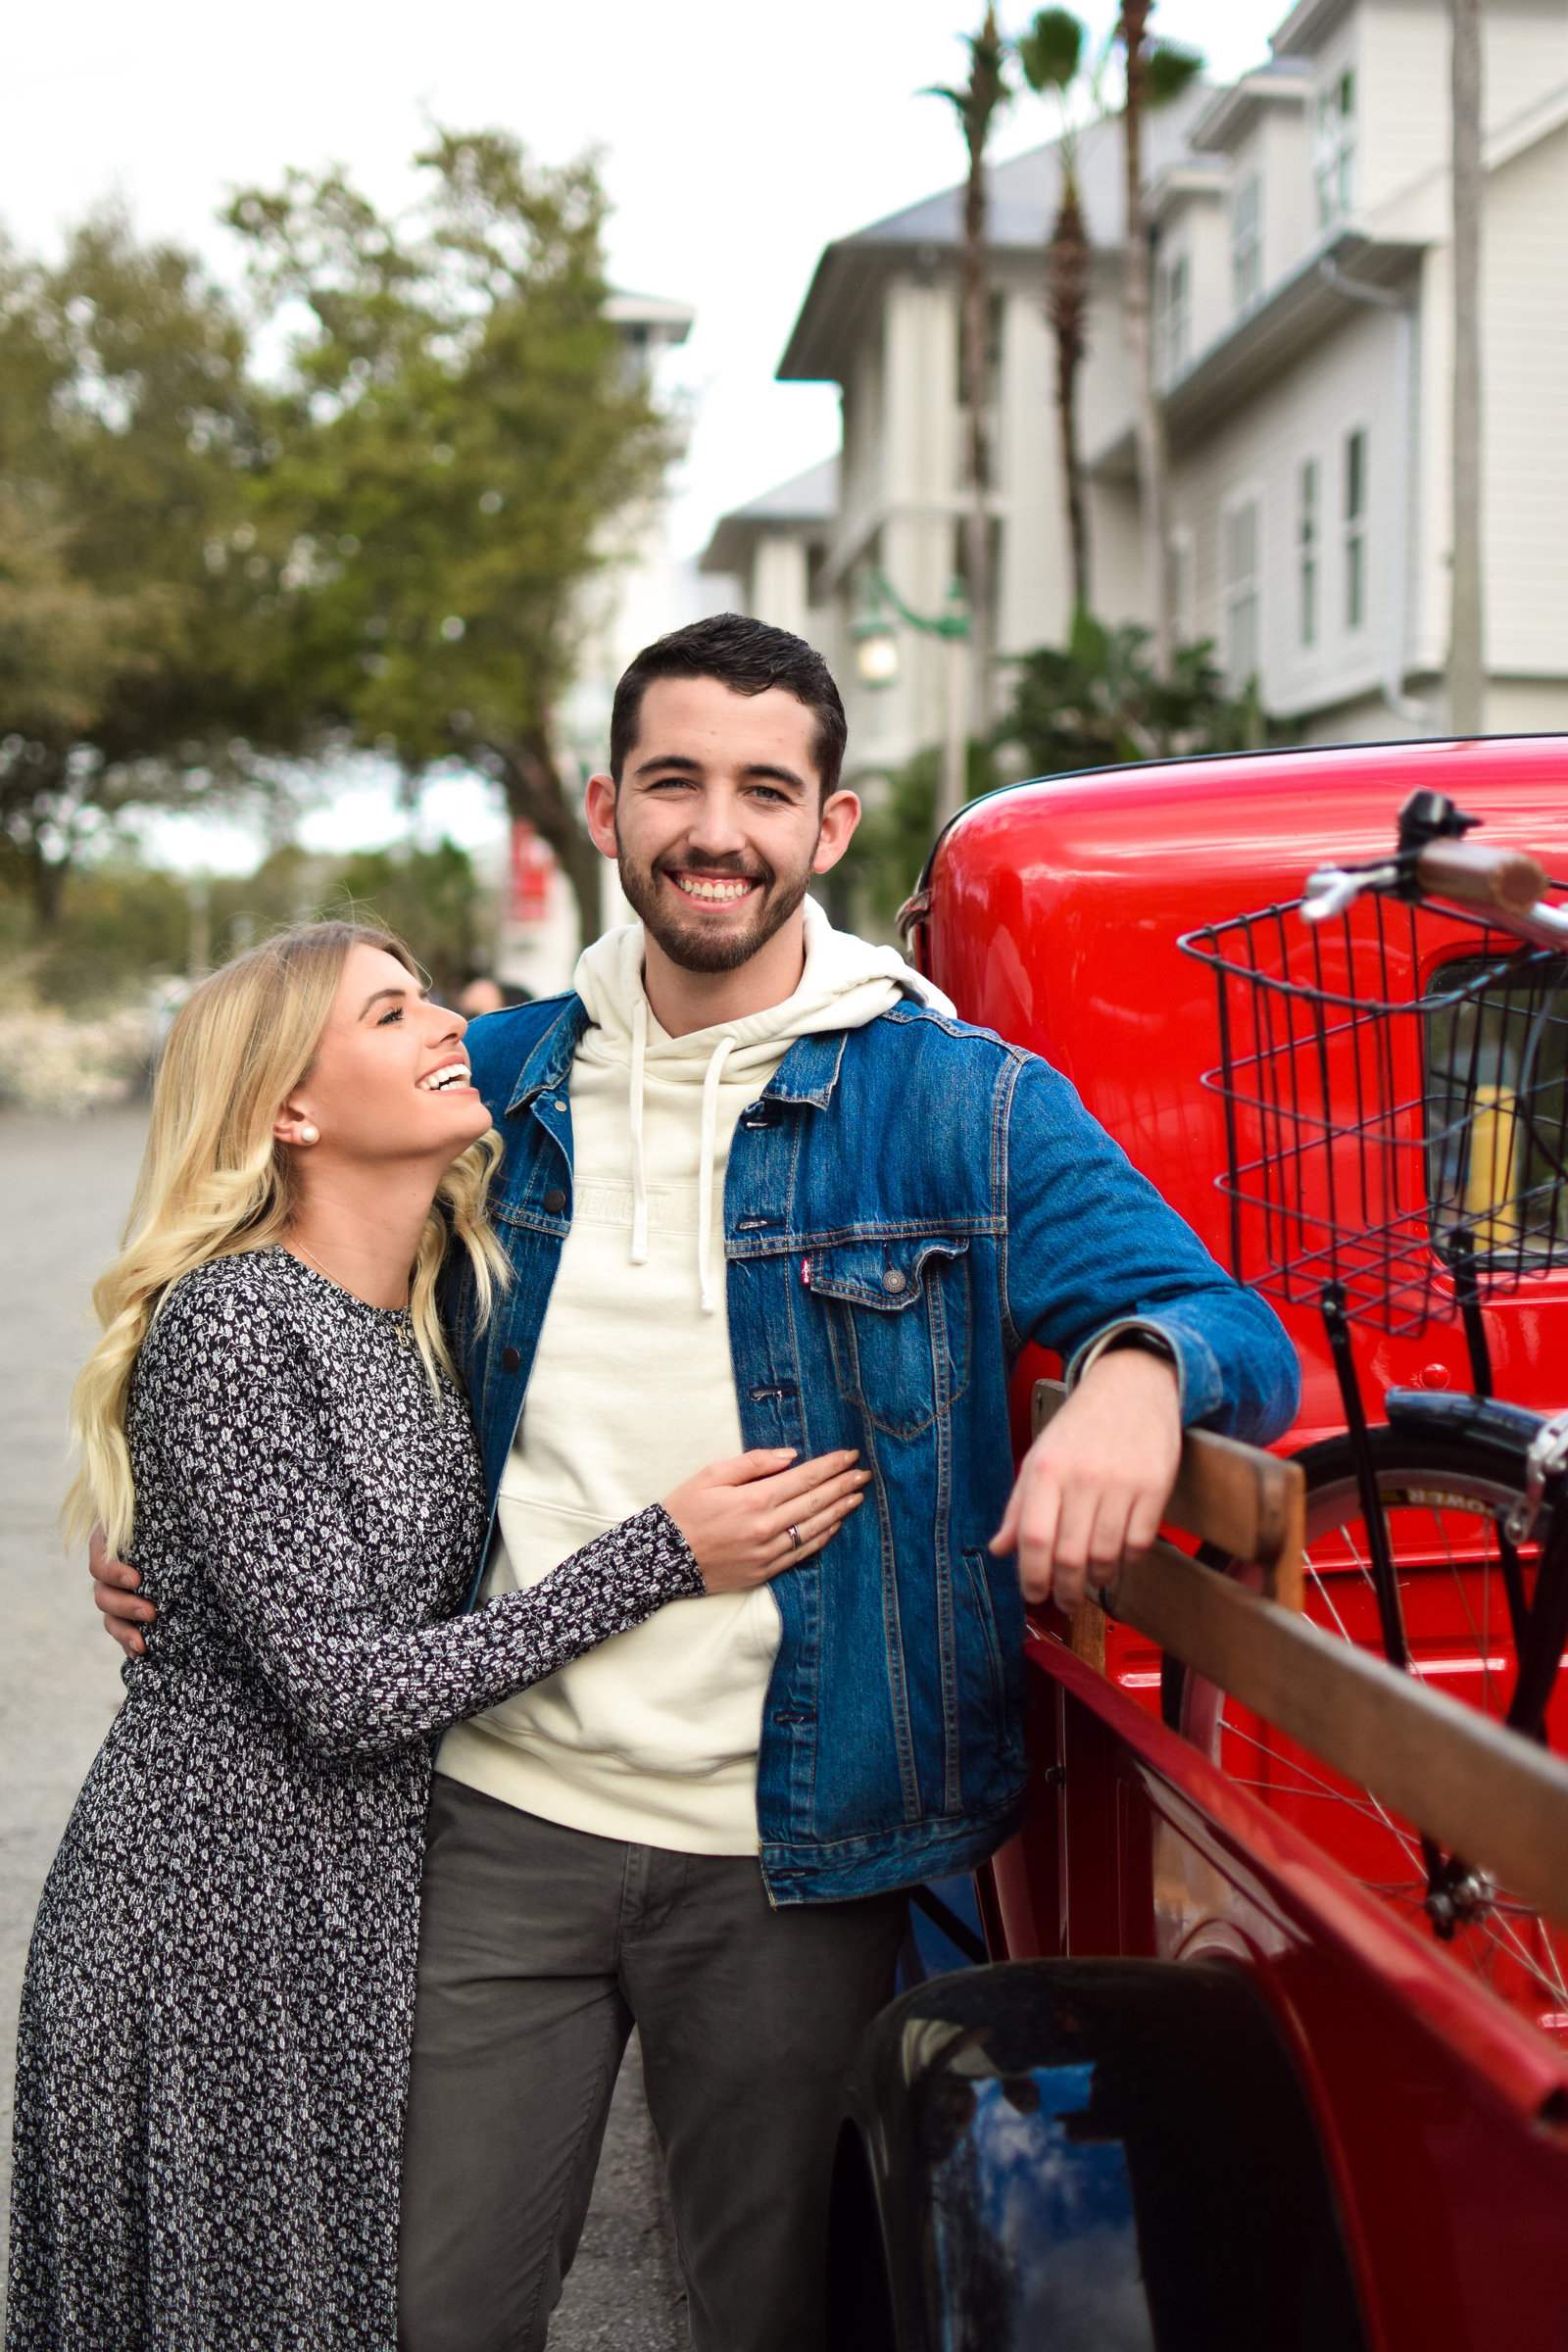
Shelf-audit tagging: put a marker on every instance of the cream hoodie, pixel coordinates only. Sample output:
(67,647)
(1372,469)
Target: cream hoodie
(651,1737)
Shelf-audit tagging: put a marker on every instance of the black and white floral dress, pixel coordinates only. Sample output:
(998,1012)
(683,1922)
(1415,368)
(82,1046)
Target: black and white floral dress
(215,2026)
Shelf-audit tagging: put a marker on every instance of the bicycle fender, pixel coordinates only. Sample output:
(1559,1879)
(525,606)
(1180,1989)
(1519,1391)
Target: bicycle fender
(1486,1418)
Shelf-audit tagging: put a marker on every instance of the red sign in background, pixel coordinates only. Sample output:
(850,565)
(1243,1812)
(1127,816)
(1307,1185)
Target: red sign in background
(533,864)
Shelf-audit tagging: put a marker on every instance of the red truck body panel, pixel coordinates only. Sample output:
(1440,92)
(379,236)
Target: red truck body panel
(1053,913)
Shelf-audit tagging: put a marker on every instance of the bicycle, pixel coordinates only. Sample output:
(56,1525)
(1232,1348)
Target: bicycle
(1395,1079)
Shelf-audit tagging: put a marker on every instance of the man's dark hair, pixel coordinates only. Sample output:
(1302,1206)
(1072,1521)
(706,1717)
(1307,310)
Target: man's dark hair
(747,656)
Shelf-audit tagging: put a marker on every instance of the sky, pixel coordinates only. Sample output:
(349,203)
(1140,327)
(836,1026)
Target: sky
(736,141)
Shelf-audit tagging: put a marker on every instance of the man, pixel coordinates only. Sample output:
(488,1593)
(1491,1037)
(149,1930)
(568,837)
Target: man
(761,1188)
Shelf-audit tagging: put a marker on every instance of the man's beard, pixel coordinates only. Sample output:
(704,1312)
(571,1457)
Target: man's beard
(690,942)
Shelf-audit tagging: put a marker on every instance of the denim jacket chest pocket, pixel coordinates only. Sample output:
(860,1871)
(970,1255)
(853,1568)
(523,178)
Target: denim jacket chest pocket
(897,1324)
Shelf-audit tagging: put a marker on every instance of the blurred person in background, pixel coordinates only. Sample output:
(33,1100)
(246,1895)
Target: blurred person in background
(484,995)
(214,2046)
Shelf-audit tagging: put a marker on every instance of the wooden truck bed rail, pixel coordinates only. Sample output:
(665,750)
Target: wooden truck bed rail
(1479,1789)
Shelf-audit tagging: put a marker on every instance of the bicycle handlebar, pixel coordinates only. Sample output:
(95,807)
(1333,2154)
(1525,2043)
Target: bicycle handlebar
(1507,886)
(1508,881)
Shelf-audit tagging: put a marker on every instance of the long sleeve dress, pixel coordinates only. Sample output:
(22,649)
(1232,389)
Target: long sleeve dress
(215,2021)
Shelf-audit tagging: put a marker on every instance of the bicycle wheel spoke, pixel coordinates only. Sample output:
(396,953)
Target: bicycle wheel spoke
(1445,1505)
(1362,1802)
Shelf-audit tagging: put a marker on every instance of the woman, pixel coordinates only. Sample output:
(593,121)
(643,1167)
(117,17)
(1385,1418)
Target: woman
(215,2028)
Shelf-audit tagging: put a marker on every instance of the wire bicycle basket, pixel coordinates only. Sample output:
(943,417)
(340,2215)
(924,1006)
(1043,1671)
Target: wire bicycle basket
(1395,1083)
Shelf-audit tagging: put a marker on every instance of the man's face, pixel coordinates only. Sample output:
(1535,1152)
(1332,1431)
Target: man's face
(718,823)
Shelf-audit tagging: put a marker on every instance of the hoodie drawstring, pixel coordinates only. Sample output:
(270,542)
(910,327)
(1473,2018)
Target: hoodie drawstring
(639,1173)
(704,1170)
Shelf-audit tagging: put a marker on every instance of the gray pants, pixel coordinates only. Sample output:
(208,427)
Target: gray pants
(539,1948)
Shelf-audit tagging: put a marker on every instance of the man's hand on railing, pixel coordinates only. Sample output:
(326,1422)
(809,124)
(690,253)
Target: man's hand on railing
(1093,1488)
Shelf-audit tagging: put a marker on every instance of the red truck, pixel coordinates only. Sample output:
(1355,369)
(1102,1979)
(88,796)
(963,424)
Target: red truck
(1248,2062)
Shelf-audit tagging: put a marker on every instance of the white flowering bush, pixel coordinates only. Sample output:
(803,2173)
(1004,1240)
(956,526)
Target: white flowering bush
(51,1063)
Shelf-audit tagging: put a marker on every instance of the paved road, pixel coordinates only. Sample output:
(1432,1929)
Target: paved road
(64,1190)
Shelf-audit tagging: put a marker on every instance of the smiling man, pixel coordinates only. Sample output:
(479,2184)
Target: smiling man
(760,1188)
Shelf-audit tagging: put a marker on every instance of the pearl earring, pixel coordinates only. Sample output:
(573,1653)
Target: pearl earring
(310,1135)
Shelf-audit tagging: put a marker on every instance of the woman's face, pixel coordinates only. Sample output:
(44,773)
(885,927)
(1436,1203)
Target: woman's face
(390,1078)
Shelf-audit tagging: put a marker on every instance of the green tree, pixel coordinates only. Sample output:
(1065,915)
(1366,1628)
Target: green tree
(1051,54)
(457,432)
(1099,701)
(126,674)
(430,897)
(976,105)
(892,840)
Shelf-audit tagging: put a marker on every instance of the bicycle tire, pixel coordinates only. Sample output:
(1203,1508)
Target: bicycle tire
(1446,1489)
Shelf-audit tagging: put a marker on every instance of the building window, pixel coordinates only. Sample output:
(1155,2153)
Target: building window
(1354,529)
(1247,242)
(1174,297)
(1306,535)
(1240,541)
(1334,149)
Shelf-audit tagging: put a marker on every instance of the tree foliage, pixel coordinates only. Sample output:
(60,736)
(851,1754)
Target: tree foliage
(125,431)
(1099,701)
(120,924)
(892,840)
(204,575)
(458,427)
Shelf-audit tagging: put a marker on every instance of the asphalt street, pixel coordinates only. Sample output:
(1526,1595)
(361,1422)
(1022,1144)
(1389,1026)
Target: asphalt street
(64,1191)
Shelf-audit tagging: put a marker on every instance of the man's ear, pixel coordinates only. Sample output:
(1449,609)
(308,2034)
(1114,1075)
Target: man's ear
(841,813)
(599,810)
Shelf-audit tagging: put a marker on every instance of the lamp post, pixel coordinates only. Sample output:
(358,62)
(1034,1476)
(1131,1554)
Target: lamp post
(876,658)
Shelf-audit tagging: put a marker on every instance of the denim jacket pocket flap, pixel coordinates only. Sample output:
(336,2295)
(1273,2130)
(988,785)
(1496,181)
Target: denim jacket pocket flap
(888,1274)
(898,1325)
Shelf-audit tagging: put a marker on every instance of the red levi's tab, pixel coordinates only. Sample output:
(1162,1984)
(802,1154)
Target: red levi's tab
(806,1272)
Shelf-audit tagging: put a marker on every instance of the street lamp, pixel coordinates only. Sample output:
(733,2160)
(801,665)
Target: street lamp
(876,658)
(876,653)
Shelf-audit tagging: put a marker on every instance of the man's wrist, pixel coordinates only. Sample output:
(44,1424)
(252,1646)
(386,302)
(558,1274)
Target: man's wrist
(1130,1338)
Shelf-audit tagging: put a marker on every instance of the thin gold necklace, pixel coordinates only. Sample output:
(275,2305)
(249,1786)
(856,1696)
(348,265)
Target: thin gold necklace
(403,1313)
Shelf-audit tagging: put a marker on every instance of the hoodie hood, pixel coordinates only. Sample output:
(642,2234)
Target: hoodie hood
(846,982)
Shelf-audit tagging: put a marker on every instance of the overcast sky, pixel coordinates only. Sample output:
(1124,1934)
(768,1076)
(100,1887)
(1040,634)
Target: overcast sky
(737,141)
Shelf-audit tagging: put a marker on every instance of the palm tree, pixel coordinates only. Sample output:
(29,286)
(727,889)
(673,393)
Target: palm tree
(976,106)
(1050,54)
(1466,682)
(1157,71)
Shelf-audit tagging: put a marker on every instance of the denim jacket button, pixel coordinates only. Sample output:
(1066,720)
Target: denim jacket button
(894,1281)
(555,1202)
(510,1359)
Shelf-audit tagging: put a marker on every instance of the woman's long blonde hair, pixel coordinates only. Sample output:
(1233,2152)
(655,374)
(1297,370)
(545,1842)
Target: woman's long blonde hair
(215,1182)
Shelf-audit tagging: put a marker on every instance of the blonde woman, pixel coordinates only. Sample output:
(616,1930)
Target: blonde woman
(215,2028)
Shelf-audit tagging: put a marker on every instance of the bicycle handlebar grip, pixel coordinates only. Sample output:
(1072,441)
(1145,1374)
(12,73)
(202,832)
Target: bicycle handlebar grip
(1477,876)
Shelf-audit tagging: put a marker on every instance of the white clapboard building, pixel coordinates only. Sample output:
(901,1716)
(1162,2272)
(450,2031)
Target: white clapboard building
(1303,330)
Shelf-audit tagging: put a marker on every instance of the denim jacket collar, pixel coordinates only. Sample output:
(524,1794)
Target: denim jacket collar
(808,1072)
(549,1065)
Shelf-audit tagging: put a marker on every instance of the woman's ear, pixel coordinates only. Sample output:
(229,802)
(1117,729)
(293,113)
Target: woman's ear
(294,1127)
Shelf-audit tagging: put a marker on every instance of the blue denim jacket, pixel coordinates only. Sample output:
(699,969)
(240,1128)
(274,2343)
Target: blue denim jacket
(906,1204)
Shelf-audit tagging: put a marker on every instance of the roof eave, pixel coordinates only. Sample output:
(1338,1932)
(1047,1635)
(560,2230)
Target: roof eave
(1308,25)
(1268,339)
(1231,114)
